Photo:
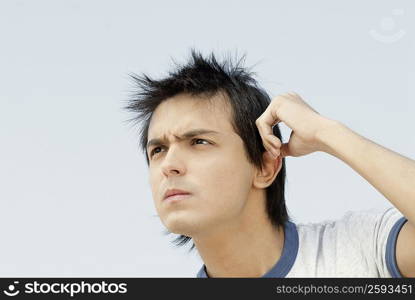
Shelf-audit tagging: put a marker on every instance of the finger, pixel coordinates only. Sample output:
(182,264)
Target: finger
(265,123)
(274,141)
(274,153)
(270,148)
(272,144)
(271,155)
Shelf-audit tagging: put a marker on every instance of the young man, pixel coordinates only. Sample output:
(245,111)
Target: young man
(217,175)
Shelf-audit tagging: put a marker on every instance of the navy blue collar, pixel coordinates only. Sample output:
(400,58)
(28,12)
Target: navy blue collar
(287,259)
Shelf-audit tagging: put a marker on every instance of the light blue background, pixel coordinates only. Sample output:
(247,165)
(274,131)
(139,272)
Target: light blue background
(74,196)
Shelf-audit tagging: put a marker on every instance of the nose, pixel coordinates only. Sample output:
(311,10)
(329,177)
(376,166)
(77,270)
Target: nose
(173,163)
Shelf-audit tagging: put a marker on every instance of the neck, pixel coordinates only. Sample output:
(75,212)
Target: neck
(248,247)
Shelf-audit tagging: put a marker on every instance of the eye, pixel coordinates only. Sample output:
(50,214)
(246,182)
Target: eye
(153,152)
(200,140)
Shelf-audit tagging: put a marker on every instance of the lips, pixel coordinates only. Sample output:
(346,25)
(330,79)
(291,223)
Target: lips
(172,192)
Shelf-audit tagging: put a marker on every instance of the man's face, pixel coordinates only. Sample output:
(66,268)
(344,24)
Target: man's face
(212,167)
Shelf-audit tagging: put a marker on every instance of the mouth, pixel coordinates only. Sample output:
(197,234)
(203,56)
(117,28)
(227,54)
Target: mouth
(176,198)
(175,194)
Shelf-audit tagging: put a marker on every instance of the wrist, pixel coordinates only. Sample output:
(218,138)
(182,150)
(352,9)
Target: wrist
(328,131)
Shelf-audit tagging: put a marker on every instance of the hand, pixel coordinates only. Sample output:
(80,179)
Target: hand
(304,121)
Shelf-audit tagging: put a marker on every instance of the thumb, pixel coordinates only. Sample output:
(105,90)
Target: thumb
(284,150)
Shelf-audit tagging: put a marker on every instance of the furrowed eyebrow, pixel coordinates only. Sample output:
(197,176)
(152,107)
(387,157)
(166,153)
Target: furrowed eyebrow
(186,135)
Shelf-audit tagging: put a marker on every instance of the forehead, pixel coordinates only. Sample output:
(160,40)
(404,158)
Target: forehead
(185,112)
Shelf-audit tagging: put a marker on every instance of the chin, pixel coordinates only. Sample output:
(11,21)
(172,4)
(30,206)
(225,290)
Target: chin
(179,224)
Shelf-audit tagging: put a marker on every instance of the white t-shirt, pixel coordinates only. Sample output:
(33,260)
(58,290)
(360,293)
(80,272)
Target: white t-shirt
(360,244)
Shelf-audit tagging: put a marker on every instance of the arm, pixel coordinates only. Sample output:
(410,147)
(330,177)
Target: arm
(392,174)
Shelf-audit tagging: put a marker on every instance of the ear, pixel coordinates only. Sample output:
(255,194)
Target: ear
(271,168)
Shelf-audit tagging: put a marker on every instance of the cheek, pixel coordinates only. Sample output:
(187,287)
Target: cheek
(228,186)
(154,182)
